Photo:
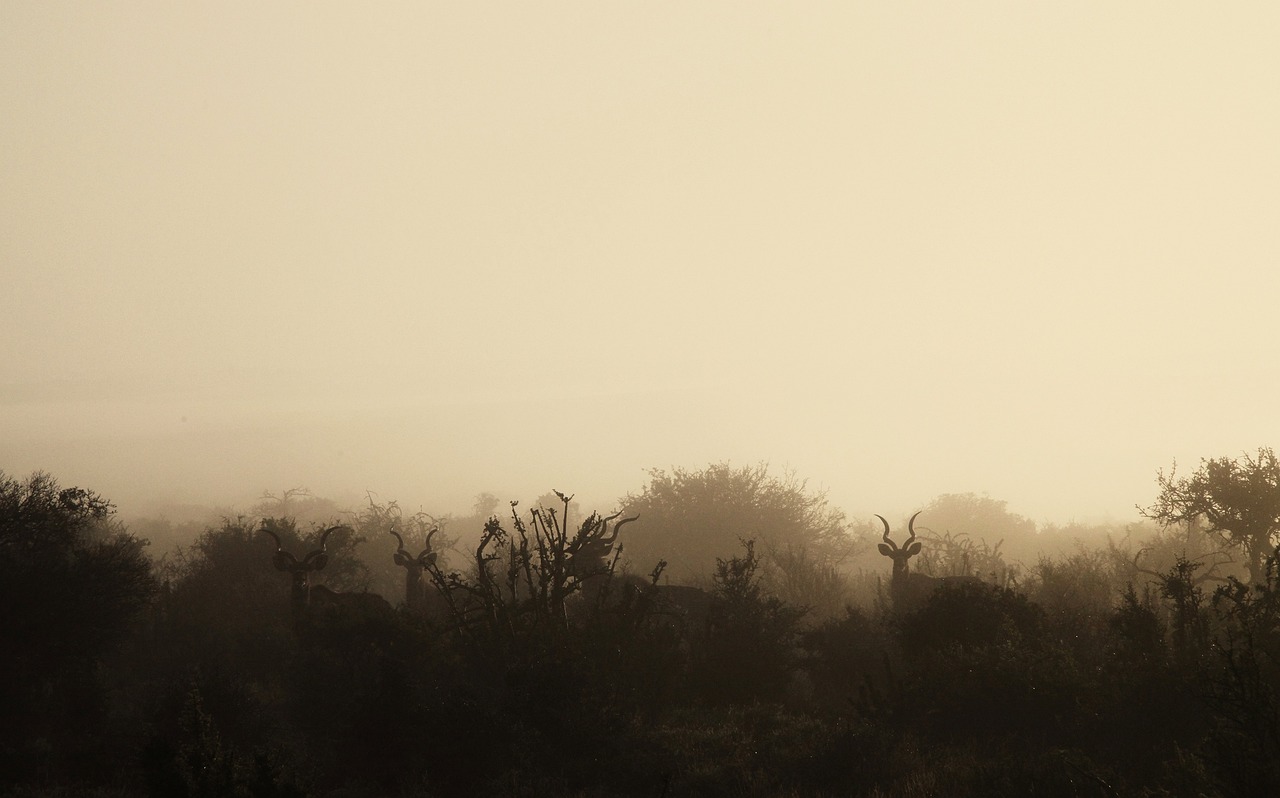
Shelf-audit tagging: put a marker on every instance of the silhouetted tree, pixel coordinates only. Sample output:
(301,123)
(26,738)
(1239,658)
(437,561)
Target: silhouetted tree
(975,517)
(1239,498)
(692,518)
(299,504)
(485,505)
(523,580)
(71,582)
(1245,684)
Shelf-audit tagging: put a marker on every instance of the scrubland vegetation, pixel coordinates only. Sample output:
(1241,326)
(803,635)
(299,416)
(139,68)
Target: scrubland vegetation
(739,637)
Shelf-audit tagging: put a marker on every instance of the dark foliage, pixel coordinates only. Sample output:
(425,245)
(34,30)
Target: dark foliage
(751,646)
(978,661)
(692,518)
(1238,498)
(1244,689)
(552,673)
(71,586)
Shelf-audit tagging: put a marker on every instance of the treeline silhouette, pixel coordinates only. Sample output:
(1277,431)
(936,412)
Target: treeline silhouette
(524,658)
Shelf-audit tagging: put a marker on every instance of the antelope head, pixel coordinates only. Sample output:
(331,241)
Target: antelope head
(424,559)
(900,556)
(589,551)
(300,570)
(415,588)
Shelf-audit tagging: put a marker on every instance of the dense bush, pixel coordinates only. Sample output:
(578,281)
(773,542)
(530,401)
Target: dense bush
(72,587)
(751,647)
(553,673)
(693,518)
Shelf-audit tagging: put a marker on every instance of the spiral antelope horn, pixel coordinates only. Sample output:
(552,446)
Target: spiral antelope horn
(275,537)
(911,527)
(604,525)
(328,532)
(283,560)
(430,535)
(320,557)
(399,540)
(891,544)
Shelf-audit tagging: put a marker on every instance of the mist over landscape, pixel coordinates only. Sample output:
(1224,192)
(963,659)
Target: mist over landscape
(429,252)
(887,393)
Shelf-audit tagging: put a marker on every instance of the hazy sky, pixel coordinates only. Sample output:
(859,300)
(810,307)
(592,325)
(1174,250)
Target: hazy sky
(426,249)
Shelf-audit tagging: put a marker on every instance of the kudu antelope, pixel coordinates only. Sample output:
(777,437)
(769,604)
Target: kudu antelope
(303,593)
(689,609)
(911,590)
(588,567)
(588,562)
(420,595)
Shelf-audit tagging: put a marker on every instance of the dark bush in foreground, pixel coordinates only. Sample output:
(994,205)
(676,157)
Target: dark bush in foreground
(550,674)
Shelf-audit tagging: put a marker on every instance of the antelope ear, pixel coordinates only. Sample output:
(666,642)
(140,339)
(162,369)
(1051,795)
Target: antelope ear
(913,549)
(317,562)
(428,559)
(283,561)
(885,550)
(403,560)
